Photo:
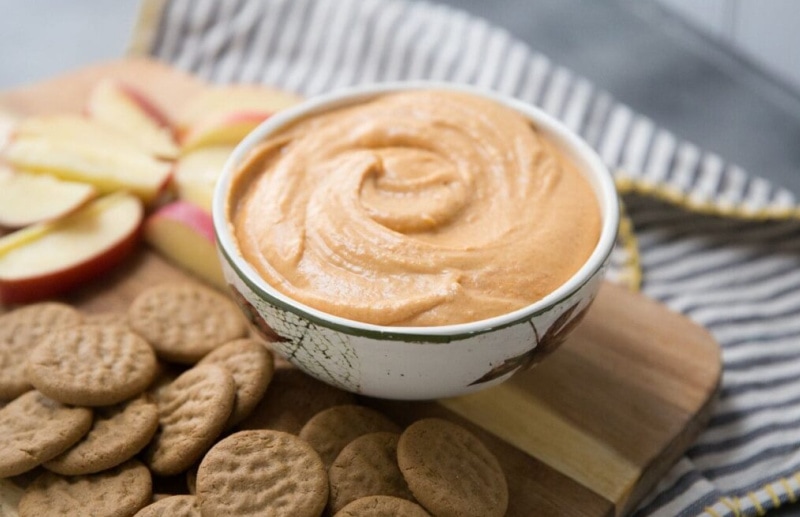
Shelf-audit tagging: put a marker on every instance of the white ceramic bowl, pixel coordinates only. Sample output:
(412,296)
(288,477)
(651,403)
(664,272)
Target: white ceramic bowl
(416,362)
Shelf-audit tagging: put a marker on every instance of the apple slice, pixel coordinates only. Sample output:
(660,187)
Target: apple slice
(76,129)
(184,234)
(226,129)
(223,115)
(129,111)
(47,259)
(218,101)
(26,199)
(108,168)
(196,174)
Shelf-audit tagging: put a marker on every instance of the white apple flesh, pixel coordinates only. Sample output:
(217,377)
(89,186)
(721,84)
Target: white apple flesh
(227,129)
(27,199)
(77,129)
(108,168)
(184,234)
(196,174)
(130,112)
(48,259)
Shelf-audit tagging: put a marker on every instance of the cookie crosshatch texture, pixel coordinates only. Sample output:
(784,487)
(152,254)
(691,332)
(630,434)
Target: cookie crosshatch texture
(130,459)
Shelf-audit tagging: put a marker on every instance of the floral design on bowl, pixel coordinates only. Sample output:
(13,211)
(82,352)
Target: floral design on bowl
(403,366)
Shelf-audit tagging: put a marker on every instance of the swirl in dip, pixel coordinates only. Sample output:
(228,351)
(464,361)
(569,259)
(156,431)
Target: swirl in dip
(416,208)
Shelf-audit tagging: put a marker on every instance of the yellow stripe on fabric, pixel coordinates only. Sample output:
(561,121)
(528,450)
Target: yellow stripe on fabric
(633,264)
(664,193)
(773,495)
(734,506)
(790,493)
(770,489)
(756,503)
(145,27)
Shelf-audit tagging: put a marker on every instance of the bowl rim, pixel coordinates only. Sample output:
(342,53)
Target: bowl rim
(603,186)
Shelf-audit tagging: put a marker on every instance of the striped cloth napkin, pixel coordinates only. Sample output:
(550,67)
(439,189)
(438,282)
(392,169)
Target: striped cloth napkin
(701,235)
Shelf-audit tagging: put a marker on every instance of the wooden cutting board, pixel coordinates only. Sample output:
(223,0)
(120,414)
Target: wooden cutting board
(586,433)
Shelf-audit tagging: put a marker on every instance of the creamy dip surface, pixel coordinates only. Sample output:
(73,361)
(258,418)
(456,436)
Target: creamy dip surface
(416,208)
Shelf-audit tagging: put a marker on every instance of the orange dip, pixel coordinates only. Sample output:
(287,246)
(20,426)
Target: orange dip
(418,208)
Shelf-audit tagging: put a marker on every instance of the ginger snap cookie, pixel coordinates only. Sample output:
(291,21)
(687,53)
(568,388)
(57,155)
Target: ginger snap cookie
(262,472)
(450,471)
(92,365)
(185,321)
(252,365)
(192,412)
(118,434)
(382,506)
(20,331)
(367,466)
(34,429)
(172,506)
(291,400)
(330,430)
(118,492)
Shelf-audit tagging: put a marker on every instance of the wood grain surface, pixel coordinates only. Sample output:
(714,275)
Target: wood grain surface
(586,433)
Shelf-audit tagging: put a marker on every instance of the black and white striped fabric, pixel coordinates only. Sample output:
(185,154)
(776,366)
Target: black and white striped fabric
(713,242)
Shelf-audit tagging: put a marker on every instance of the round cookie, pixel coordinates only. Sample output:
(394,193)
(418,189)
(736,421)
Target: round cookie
(367,466)
(172,506)
(255,473)
(118,434)
(119,492)
(450,471)
(291,400)
(251,365)
(192,412)
(382,506)
(34,429)
(185,321)
(20,331)
(330,430)
(92,365)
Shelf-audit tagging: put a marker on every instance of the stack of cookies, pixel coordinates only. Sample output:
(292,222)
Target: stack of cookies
(173,409)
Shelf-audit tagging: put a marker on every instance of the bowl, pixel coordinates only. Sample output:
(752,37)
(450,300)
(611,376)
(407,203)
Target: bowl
(414,363)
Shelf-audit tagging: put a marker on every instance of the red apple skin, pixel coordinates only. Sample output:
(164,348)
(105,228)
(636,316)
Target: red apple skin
(191,135)
(56,269)
(183,233)
(147,105)
(193,216)
(160,136)
(32,289)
